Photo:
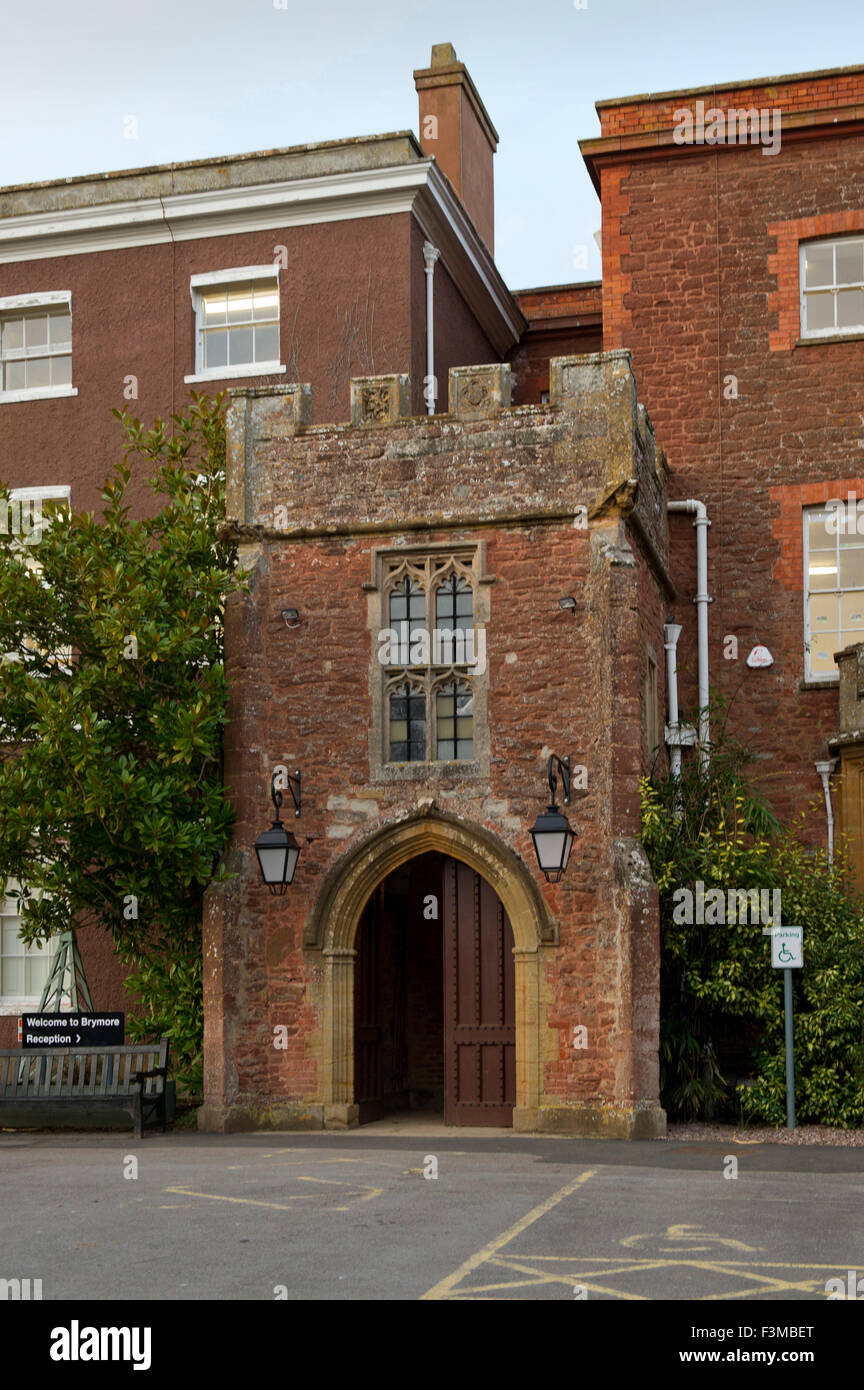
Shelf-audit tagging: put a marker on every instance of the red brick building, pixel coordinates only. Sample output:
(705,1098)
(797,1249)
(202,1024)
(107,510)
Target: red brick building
(419,957)
(732,301)
(283,265)
(733,269)
(313,263)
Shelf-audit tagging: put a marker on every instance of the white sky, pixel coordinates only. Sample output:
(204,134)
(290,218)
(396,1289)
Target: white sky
(217,77)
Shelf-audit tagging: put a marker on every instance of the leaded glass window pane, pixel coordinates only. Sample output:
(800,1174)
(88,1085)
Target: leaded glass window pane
(454,612)
(454,722)
(430,606)
(407,725)
(407,601)
(454,604)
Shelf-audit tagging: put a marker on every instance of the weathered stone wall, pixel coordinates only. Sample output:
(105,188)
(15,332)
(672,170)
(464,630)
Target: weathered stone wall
(566,499)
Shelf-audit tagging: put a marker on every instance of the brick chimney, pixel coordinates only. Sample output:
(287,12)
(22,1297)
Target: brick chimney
(456,129)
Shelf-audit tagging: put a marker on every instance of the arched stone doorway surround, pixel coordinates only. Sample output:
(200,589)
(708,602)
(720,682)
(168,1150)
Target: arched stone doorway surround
(332,927)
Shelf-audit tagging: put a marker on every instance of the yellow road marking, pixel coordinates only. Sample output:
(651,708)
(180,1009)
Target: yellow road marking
(367,1196)
(242,1201)
(445,1286)
(556,1279)
(323,1161)
(689,1233)
(617,1267)
(760,1283)
(334,1182)
(656,1264)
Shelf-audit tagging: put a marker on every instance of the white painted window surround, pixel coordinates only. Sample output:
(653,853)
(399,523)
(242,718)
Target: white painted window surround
(236,323)
(25,515)
(24,969)
(17,307)
(831,277)
(833,586)
(25,503)
(51,492)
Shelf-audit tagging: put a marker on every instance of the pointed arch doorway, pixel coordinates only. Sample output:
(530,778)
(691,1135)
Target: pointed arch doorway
(435,996)
(330,939)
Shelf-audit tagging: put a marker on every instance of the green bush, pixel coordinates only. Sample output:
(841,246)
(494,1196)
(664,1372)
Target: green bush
(713,826)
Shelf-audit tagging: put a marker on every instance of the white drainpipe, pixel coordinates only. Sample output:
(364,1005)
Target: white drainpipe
(671,633)
(430,256)
(825,769)
(702,601)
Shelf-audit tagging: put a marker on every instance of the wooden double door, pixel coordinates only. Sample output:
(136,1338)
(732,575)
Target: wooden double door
(435,997)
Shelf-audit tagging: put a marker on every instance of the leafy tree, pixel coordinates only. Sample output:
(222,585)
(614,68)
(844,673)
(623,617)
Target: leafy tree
(717,980)
(112,702)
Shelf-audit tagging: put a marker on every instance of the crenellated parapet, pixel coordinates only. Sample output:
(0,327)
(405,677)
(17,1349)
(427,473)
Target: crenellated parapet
(588,454)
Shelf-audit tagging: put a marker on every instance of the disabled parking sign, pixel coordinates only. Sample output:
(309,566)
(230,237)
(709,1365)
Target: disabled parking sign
(787,948)
(787,954)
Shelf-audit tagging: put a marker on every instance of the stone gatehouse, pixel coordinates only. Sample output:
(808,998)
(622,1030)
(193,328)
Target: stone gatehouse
(420,957)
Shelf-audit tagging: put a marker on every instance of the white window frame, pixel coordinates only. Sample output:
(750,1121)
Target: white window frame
(820,677)
(44,299)
(50,492)
(856,330)
(11,1004)
(198,284)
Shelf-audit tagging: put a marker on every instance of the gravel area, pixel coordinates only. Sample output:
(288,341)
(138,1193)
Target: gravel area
(764,1134)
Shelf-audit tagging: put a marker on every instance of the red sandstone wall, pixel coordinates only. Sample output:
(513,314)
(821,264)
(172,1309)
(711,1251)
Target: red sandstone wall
(557,681)
(794,95)
(300,711)
(691,266)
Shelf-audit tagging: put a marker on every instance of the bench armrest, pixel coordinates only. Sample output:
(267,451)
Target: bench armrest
(154,1071)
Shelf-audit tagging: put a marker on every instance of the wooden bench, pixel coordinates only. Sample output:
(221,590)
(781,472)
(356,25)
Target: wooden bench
(44,1087)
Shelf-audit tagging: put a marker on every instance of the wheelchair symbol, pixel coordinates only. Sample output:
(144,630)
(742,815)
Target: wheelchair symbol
(784,953)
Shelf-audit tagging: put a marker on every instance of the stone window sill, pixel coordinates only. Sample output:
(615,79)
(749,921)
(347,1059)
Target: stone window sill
(36,393)
(427,772)
(10,1007)
(833,683)
(855,337)
(238,373)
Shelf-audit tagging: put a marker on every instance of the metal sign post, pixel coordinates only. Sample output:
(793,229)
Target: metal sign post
(790,1055)
(787,954)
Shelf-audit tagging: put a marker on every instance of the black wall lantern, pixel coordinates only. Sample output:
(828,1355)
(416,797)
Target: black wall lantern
(277,849)
(552,836)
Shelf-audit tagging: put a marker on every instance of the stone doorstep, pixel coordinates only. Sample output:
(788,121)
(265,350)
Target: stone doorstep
(576,1121)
